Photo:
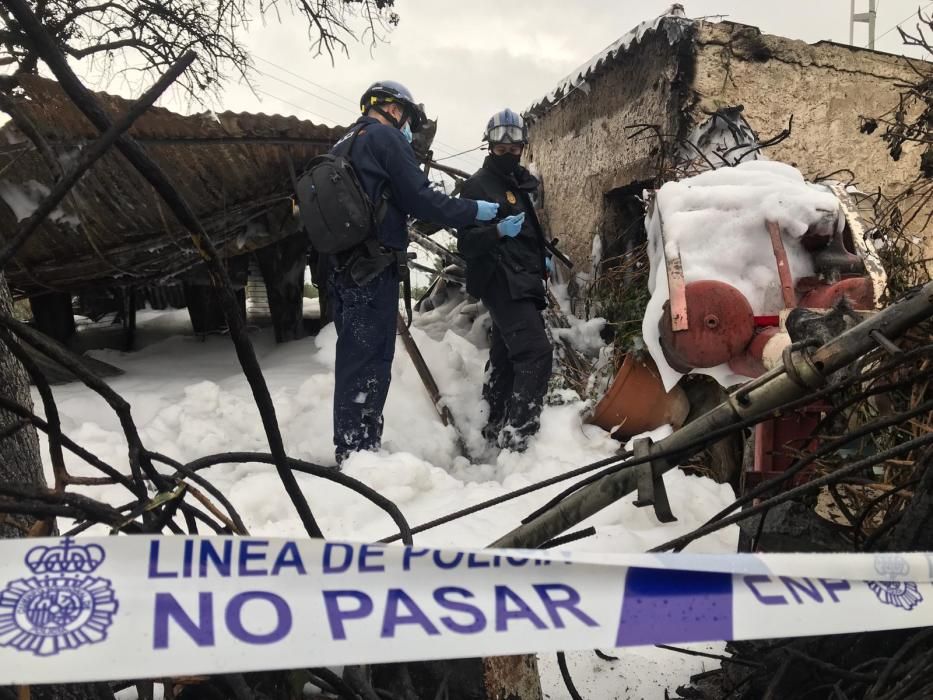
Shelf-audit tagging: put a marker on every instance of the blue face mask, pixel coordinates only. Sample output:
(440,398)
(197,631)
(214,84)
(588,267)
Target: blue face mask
(406,131)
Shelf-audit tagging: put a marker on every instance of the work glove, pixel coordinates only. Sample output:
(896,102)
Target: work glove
(511,225)
(486,211)
(549,265)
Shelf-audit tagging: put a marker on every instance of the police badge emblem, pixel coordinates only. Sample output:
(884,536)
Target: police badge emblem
(510,197)
(900,594)
(62,606)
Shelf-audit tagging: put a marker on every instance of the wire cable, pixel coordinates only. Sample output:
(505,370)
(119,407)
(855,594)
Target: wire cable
(896,26)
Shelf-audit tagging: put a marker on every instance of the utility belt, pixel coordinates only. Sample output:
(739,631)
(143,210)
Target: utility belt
(368,260)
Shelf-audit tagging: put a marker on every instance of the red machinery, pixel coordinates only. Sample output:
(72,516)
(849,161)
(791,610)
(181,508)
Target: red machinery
(707,323)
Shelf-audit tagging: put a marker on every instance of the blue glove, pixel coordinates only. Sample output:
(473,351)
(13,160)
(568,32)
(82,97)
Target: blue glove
(486,211)
(511,225)
(549,264)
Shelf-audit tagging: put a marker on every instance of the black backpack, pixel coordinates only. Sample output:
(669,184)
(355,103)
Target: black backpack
(336,212)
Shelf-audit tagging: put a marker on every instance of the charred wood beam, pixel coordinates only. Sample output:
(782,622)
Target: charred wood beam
(47,49)
(110,134)
(24,124)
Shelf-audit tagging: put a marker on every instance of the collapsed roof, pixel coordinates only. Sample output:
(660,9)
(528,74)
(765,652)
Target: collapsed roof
(233,169)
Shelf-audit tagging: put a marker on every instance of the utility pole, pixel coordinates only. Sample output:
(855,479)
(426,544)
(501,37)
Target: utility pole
(866,17)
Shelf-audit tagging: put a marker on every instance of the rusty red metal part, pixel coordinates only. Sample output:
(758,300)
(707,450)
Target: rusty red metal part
(780,256)
(720,325)
(751,362)
(676,285)
(858,290)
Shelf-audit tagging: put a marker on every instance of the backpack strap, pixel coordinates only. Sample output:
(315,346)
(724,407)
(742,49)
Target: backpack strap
(382,205)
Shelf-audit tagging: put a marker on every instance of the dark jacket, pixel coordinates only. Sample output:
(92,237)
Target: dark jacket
(382,158)
(520,258)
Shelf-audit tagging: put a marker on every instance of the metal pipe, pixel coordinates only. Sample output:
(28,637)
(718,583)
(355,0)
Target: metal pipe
(766,393)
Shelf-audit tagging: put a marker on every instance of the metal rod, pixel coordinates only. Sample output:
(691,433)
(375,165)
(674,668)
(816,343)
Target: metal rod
(783,269)
(427,379)
(842,350)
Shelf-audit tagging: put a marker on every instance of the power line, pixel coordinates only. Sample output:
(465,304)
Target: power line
(346,99)
(455,155)
(447,150)
(292,104)
(334,104)
(301,89)
(326,118)
(884,34)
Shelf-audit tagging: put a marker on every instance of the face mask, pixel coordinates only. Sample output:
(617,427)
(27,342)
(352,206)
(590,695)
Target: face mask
(406,131)
(506,163)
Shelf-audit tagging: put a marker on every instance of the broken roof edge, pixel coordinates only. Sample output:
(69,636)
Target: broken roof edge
(43,100)
(673,21)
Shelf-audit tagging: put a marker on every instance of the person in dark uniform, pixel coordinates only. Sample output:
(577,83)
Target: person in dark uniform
(507,264)
(364,283)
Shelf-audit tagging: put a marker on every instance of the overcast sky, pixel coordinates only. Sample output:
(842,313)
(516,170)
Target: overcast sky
(467,59)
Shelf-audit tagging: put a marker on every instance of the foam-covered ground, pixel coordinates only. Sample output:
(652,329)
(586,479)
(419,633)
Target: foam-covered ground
(190,399)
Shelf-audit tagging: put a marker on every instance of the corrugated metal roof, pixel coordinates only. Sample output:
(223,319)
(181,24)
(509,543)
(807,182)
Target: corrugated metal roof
(231,168)
(672,22)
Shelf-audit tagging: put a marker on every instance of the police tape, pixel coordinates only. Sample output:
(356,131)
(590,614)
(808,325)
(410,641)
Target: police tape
(146,607)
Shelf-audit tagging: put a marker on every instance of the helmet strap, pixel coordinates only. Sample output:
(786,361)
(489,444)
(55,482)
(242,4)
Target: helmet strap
(392,120)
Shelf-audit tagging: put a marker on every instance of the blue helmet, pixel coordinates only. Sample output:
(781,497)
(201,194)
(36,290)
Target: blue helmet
(388,91)
(506,127)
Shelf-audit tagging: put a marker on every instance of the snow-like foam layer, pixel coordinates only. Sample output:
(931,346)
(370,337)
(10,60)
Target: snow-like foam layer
(189,399)
(717,221)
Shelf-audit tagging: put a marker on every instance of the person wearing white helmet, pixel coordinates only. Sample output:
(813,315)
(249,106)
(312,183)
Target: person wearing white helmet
(364,282)
(507,265)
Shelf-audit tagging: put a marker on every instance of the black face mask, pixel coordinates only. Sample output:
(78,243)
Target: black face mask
(506,164)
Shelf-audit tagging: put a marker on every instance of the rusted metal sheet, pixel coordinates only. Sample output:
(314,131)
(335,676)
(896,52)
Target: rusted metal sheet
(676,284)
(780,257)
(231,167)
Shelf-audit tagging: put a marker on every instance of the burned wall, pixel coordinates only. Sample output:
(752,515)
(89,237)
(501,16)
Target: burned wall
(825,86)
(582,149)
(584,152)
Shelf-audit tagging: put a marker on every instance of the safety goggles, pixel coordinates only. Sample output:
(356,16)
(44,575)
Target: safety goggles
(506,133)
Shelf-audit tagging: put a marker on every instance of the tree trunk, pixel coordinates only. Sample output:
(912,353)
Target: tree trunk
(19,453)
(20,462)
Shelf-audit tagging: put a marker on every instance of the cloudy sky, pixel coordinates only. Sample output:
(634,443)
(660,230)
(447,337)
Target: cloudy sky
(468,59)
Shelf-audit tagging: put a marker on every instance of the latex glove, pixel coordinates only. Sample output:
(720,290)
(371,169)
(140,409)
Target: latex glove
(549,265)
(511,225)
(486,211)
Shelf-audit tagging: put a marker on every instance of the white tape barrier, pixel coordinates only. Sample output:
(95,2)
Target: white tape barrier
(148,607)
